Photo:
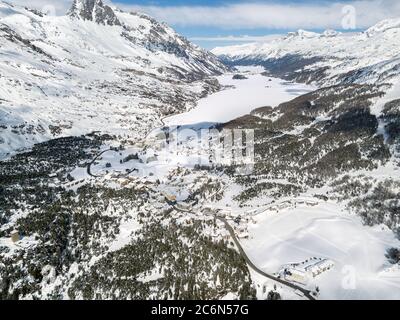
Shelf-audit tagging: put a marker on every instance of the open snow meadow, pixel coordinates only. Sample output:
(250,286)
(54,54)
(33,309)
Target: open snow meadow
(326,231)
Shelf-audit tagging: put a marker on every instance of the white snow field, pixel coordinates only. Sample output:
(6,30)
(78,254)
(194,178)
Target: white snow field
(240,98)
(73,77)
(326,231)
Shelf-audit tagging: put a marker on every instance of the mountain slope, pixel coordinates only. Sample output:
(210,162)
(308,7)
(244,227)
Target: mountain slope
(73,74)
(337,137)
(327,59)
(100,69)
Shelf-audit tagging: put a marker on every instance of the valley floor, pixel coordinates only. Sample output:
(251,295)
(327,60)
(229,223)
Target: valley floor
(299,233)
(290,234)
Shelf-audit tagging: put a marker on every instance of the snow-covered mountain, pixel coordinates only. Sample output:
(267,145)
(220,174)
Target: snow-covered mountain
(96,68)
(328,58)
(115,215)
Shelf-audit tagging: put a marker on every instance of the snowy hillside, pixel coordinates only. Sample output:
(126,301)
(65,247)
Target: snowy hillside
(328,58)
(96,68)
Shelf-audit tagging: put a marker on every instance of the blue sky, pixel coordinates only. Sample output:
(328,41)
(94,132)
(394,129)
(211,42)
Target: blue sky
(212,23)
(214,3)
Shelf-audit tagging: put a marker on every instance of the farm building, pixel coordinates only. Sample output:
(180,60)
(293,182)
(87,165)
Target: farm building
(302,272)
(296,275)
(151,159)
(244,235)
(184,206)
(319,267)
(224,213)
(15,237)
(171,199)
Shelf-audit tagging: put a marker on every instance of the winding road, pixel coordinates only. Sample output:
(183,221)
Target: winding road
(89,172)
(307,293)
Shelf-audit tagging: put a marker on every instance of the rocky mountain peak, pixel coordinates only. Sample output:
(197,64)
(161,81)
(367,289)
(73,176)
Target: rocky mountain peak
(94,10)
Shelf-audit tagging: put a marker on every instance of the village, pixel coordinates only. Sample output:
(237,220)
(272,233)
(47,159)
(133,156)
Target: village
(171,190)
(174,184)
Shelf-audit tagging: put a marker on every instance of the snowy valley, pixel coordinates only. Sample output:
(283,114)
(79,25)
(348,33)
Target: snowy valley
(110,190)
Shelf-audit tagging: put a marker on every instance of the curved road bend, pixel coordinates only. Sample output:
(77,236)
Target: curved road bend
(306,293)
(89,172)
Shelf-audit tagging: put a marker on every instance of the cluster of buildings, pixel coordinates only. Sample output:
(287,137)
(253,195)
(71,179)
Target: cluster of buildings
(240,221)
(75,183)
(292,203)
(222,233)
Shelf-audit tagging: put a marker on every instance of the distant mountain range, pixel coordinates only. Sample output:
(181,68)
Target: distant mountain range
(328,58)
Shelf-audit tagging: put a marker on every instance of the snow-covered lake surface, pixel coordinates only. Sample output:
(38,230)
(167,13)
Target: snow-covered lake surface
(248,94)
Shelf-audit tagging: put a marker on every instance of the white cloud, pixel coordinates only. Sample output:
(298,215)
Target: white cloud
(253,15)
(58,7)
(273,16)
(244,38)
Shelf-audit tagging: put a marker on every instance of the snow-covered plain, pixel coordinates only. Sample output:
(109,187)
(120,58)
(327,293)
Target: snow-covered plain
(326,231)
(240,97)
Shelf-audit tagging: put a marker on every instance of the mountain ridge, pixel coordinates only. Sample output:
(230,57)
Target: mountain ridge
(93,10)
(107,71)
(328,58)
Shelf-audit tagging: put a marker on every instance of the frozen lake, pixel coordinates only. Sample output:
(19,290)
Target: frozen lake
(248,94)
